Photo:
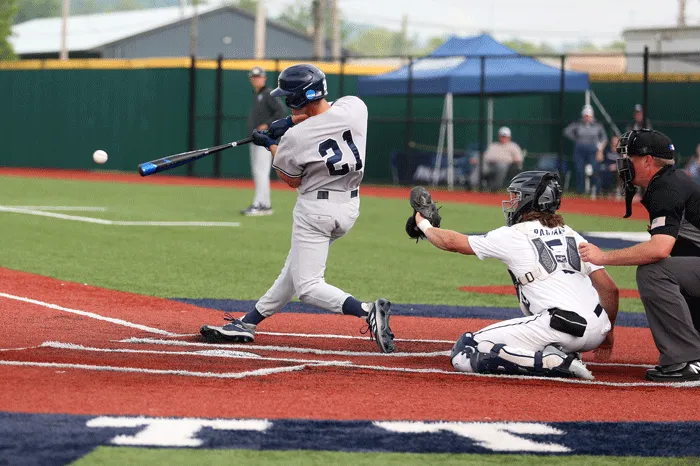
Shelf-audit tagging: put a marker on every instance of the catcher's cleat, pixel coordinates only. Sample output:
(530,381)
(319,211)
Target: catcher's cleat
(570,367)
(236,331)
(378,325)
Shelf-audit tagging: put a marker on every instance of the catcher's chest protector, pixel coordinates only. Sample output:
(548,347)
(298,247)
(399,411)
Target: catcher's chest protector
(556,250)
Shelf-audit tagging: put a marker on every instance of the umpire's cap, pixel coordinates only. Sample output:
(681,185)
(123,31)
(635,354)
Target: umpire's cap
(645,142)
(256,71)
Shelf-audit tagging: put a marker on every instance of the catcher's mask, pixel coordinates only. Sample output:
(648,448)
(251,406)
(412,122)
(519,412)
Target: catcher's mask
(639,142)
(537,191)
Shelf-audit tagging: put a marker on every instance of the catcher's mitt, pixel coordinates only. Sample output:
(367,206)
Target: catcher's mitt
(422,202)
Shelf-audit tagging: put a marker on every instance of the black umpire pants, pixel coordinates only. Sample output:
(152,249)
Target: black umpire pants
(670,292)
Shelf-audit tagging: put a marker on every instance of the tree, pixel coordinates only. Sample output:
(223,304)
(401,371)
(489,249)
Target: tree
(31,9)
(529,48)
(127,5)
(382,41)
(430,45)
(250,6)
(299,17)
(7,11)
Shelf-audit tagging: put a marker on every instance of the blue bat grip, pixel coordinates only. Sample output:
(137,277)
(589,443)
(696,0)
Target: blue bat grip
(147,168)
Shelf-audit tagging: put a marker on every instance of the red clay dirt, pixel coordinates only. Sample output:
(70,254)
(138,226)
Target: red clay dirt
(381,391)
(570,204)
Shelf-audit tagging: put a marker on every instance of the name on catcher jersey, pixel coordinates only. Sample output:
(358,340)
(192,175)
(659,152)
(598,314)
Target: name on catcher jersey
(328,150)
(528,245)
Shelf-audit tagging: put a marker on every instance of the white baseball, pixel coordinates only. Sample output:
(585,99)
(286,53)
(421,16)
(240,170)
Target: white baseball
(99,156)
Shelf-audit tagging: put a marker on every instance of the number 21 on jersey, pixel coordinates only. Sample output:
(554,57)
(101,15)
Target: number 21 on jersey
(330,146)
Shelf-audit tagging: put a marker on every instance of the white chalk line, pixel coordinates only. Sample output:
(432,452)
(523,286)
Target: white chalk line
(204,353)
(63,208)
(440,371)
(328,336)
(91,315)
(101,221)
(138,370)
(18,349)
(347,337)
(284,349)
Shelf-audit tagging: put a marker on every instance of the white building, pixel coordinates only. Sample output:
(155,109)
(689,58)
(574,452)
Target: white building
(681,45)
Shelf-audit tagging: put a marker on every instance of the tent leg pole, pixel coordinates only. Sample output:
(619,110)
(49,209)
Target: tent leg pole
(441,143)
(489,117)
(450,143)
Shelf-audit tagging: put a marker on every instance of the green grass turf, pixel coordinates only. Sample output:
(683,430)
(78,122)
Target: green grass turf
(134,456)
(375,259)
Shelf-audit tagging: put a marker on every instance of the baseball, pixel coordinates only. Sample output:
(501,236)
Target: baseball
(99,156)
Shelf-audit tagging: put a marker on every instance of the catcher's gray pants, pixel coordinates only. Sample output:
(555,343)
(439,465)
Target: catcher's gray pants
(317,223)
(260,163)
(670,292)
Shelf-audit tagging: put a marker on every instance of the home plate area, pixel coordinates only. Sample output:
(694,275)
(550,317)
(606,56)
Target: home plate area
(113,368)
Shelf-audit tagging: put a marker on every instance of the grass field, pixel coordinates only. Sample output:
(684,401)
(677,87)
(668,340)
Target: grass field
(240,262)
(375,259)
(120,456)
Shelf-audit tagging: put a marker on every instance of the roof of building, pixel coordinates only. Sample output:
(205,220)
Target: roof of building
(654,30)
(89,32)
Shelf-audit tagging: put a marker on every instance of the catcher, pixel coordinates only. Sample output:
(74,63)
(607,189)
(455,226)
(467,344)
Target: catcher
(570,306)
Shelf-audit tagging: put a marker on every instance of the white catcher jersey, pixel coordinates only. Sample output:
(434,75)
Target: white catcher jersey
(568,287)
(327,150)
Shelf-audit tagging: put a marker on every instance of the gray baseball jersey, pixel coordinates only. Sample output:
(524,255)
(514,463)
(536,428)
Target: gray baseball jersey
(327,150)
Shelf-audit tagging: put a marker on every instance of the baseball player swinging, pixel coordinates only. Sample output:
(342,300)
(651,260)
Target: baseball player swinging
(321,153)
(570,306)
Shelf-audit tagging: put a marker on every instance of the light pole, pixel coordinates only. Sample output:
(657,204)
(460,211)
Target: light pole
(65,11)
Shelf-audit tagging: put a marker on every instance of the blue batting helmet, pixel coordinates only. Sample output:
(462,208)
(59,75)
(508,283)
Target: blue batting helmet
(301,84)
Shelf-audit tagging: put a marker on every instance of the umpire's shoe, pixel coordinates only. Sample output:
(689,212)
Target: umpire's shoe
(236,331)
(683,372)
(378,322)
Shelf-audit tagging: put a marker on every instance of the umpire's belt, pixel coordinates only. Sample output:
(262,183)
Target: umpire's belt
(332,196)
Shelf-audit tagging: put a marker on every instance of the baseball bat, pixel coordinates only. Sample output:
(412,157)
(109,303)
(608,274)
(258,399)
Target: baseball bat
(176,160)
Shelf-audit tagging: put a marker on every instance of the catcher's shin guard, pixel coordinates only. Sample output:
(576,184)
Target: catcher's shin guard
(486,357)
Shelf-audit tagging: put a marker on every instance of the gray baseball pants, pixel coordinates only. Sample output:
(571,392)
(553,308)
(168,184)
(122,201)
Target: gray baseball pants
(317,224)
(260,163)
(670,292)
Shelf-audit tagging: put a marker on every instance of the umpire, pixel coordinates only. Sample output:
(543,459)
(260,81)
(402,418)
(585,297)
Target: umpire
(668,276)
(265,110)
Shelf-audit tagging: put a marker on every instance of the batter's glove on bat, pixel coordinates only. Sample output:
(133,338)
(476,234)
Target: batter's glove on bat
(279,127)
(422,202)
(261,138)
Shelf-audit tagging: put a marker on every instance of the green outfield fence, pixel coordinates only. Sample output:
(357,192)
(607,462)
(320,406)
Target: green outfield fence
(56,113)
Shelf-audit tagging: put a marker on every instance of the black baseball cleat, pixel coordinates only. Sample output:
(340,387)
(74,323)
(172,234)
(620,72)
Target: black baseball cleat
(378,324)
(235,331)
(682,372)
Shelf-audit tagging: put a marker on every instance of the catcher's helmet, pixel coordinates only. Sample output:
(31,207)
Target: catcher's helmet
(537,191)
(301,84)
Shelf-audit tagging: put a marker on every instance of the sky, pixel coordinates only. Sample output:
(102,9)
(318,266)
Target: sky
(557,22)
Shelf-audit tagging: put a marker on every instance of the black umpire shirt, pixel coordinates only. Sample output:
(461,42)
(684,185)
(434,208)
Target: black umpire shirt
(265,109)
(673,202)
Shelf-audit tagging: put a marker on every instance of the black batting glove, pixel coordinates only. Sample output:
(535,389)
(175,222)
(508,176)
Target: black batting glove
(279,127)
(261,138)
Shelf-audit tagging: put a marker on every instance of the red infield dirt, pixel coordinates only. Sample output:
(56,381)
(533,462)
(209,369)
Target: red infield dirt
(57,356)
(570,204)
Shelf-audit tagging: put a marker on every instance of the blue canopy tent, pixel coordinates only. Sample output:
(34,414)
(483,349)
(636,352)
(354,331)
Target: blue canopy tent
(477,65)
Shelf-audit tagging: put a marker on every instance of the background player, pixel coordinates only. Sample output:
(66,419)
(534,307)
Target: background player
(323,156)
(264,110)
(560,295)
